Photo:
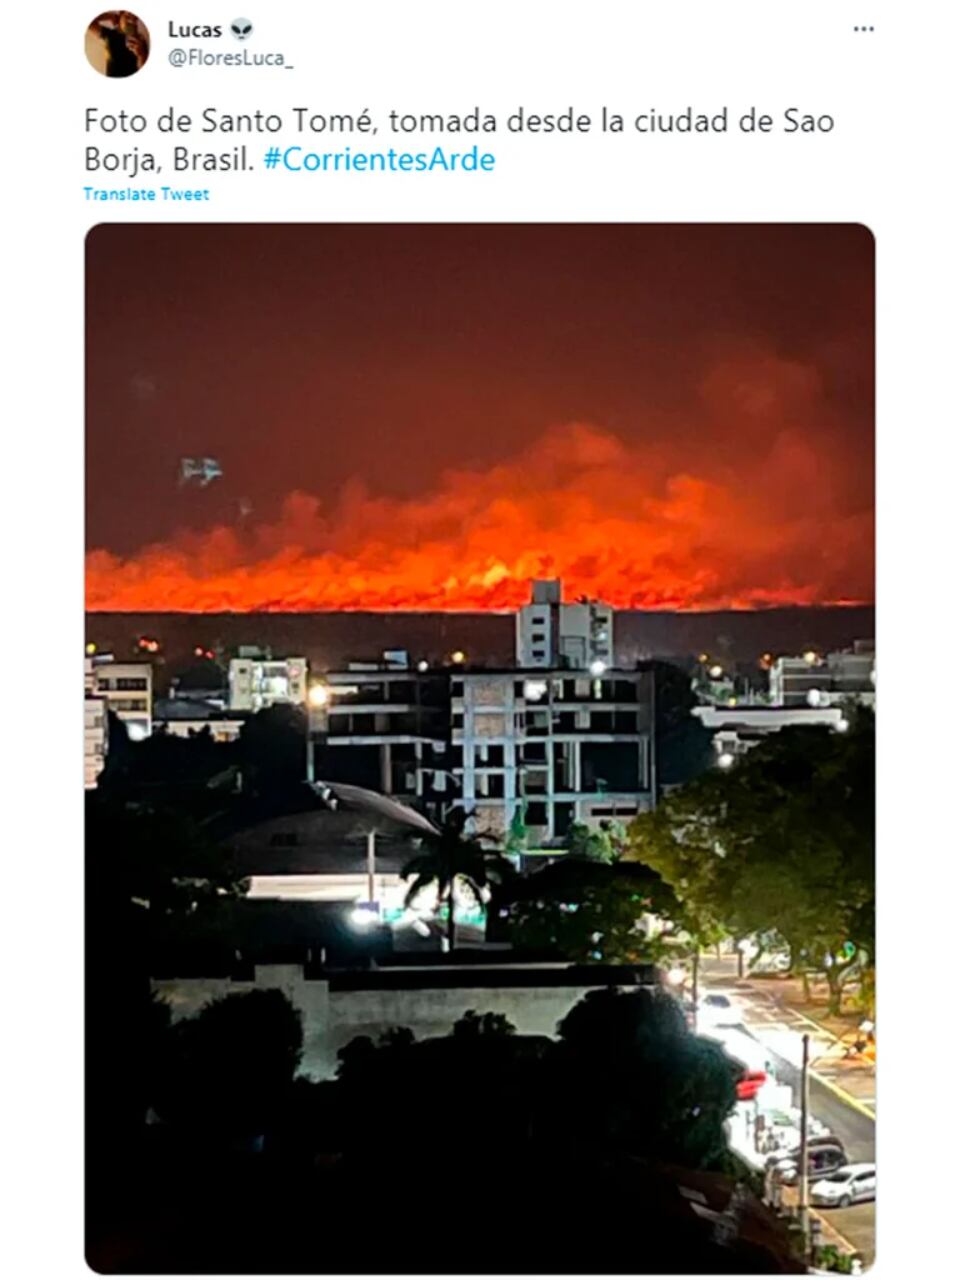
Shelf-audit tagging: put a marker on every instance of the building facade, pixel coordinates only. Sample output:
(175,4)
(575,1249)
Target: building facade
(559,748)
(94,727)
(814,681)
(127,690)
(738,729)
(552,634)
(260,682)
(384,727)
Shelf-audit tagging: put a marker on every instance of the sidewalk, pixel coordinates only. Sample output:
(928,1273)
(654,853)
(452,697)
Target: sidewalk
(830,1037)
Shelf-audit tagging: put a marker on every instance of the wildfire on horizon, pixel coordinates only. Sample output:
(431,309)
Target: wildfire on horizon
(625,523)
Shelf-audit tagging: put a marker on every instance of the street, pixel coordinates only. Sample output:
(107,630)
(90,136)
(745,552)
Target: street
(840,1097)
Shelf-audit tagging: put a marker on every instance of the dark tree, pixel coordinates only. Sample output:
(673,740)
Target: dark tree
(228,1070)
(588,912)
(273,749)
(635,1079)
(683,745)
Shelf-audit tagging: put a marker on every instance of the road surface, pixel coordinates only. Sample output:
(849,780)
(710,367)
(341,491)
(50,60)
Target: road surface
(780,1030)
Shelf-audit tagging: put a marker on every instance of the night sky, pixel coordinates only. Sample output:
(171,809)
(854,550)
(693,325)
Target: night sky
(425,417)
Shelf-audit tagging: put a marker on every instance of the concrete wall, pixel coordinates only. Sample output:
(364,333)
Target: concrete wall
(332,1018)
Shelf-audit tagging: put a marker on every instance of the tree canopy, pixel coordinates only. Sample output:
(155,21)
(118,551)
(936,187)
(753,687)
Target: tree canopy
(454,858)
(784,841)
(591,912)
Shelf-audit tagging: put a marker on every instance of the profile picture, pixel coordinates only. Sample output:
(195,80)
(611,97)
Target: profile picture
(117,43)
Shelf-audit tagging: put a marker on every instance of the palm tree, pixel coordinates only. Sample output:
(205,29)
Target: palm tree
(453,857)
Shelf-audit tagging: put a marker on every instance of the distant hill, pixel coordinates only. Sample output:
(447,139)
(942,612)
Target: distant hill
(330,640)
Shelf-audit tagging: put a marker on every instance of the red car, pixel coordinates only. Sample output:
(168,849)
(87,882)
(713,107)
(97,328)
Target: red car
(748,1086)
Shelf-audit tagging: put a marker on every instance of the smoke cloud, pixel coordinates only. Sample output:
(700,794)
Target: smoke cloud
(759,525)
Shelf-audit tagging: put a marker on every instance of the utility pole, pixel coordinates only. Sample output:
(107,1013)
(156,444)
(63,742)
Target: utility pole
(311,778)
(696,983)
(371,867)
(803,1180)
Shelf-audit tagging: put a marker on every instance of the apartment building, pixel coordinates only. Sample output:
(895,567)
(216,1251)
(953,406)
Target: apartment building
(738,729)
(127,690)
(552,634)
(560,746)
(257,681)
(814,680)
(386,727)
(94,727)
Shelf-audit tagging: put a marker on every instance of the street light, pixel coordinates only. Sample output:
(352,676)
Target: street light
(597,667)
(319,695)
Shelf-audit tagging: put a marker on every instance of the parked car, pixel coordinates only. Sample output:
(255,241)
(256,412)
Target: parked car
(813,1143)
(773,962)
(750,1084)
(823,1158)
(849,1184)
(717,1009)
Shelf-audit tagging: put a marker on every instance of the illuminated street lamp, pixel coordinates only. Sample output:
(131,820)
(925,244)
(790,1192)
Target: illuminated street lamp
(319,695)
(725,760)
(458,657)
(597,667)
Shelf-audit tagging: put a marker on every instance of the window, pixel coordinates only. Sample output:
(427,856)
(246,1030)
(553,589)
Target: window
(131,682)
(537,814)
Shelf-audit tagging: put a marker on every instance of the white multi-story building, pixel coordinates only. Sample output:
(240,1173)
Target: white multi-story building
(553,634)
(127,690)
(385,727)
(562,746)
(258,682)
(739,728)
(94,727)
(814,681)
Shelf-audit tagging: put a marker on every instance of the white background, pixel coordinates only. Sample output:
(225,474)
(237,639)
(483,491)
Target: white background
(889,163)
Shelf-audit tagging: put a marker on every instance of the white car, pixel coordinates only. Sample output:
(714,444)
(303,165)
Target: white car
(718,1009)
(852,1183)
